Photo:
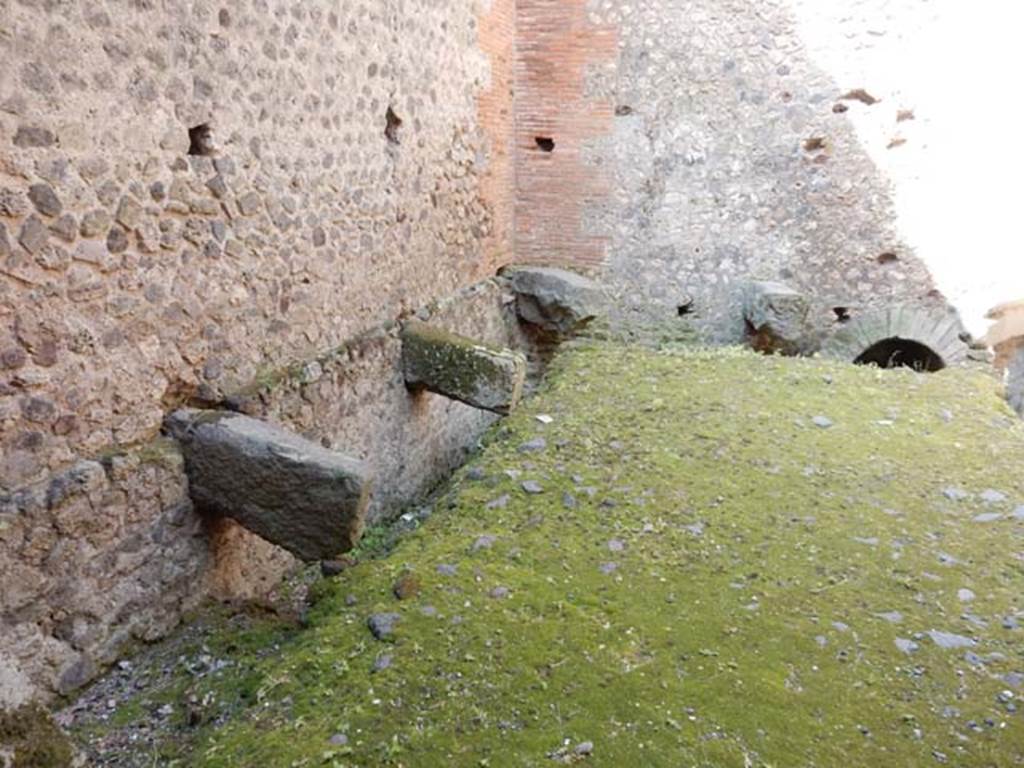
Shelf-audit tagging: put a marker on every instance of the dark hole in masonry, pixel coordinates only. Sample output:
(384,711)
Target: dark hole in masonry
(394,122)
(842,314)
(623,109)
(686,308)
(901,353)
(200,140)
(545,144)
(887,258)
(814,144)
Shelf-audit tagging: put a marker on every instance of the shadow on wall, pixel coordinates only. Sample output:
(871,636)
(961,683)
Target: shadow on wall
(735,158)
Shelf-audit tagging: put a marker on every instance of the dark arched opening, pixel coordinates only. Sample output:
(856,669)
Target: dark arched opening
(901,353)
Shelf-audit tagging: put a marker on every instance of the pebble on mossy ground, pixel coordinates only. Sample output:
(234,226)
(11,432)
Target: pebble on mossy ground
(705,578)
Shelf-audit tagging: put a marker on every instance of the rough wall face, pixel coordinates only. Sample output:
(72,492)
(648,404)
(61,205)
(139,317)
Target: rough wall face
(109,551)
(134,275)
(204,199)
(724,161)
(97,556)
(354,400)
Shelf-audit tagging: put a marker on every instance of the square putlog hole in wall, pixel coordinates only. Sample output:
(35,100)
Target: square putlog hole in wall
(545,143)
(200,140)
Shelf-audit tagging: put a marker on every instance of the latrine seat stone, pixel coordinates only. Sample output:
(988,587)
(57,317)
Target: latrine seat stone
(461,368)
(281,486)
(555,300)
(777,319)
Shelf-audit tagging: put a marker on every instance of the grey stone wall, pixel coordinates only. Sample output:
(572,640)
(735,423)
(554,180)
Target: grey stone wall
(732,157)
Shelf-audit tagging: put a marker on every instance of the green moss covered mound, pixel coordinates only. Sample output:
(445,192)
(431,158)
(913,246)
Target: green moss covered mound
(30,739)
(704,559)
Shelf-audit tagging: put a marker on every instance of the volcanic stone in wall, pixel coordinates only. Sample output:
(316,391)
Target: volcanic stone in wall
(462,369)
(1015,382)
(292,492)
(777,319)
(555,299)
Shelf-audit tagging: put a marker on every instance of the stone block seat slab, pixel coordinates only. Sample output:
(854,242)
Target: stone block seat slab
(281,486)
(776,317)
(462,369)
(556,300)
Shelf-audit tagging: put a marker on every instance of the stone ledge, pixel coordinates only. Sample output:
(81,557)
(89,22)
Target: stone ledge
(461,368)
(776,317)
(286,489)
(555,300)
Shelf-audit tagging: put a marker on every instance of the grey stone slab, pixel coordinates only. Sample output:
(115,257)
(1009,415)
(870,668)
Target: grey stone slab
(461,368)
(556,300)
(289,490)
(776,317)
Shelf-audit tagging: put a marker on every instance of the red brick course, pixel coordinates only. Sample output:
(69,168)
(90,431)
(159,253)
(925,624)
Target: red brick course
(495,112)
(557,45)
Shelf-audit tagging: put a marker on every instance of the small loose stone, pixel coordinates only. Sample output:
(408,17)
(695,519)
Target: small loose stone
(499,503)
(990,496)
(534,446)
(949,640)
(955,494)
(484,542)
(906,645)
(407,586)
(986,517)
(382,625)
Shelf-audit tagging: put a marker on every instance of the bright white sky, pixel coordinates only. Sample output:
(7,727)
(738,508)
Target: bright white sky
(958,65)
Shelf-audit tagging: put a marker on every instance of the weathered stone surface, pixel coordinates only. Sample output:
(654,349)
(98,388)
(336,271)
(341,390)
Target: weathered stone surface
(45,200)
(30,137)
(292,492)
(938,331)
(777,319)
(146,310)
(461,368)
(557,300)
(1015,382)
(33,234)
(382,625)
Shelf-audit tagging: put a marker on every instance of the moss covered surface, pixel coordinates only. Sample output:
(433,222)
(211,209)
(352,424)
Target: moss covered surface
(726,560)
(30,739)
(462,368)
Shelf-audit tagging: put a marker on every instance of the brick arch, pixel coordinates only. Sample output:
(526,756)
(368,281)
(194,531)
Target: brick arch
(939,332)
